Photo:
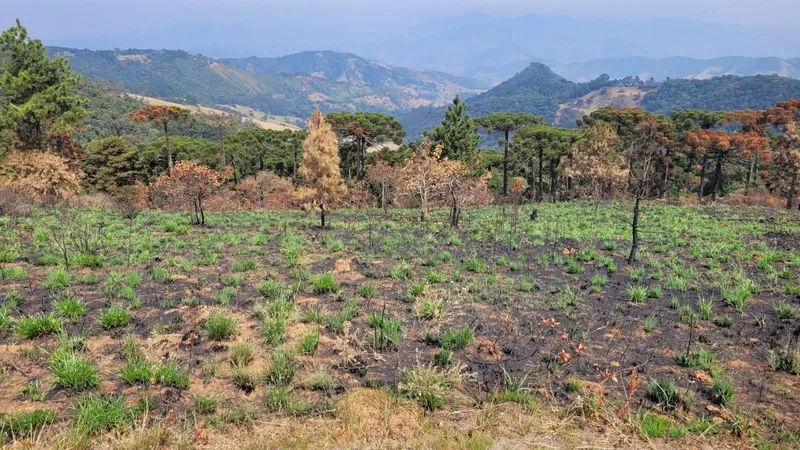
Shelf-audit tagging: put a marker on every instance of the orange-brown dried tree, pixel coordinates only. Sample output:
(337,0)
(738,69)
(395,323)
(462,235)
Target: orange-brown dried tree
(320,167)
(186,186)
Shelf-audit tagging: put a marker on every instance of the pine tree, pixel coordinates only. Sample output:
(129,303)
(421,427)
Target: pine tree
(320,167)
(457,134)
(39,104)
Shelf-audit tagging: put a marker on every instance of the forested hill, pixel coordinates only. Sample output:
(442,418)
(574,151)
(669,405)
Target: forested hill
(294,86)
(350,68)
(538,90)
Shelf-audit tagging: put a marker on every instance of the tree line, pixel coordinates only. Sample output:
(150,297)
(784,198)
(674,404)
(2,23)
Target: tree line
(51,146)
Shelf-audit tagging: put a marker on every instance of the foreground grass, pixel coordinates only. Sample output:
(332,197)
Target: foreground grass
(262,331)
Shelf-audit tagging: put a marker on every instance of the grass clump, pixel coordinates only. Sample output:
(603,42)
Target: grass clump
(171,375)
(25,424)
(72,371)
(115,317)
(96,414)
(325,284)
(219,326)
(31,327)
(429,385)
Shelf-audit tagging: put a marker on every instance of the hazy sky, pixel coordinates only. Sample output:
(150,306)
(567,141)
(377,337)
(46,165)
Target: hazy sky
(52,19)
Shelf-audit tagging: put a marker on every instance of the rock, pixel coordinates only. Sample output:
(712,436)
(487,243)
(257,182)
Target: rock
(341,265)
(702,377)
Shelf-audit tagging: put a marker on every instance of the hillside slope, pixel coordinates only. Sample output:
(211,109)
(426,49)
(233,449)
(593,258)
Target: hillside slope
(293,86)
(538,90)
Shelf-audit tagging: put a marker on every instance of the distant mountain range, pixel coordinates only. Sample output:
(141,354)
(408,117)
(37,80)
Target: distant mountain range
(678,67)
(540,91)
(292,86)
(288,89)
(475,45)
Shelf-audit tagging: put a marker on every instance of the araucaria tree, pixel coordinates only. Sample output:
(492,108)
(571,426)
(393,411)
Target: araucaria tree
(38,103)
(506,123)
(162,116)
(364,130)
(224,123)
(186,186)
(720,147)
(320,167)
(544,144)
(457,134)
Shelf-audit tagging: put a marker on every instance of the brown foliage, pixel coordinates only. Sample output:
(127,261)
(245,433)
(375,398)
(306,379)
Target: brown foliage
(39,174)
(266,190)
(595,163)
(186,187)
(320,167)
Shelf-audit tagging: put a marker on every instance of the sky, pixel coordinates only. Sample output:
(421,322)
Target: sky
(54,19)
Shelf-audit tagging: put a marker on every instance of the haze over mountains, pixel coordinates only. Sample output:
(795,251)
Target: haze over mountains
(476,45)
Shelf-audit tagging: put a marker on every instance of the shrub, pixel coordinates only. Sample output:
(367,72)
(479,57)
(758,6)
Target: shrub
(219,326)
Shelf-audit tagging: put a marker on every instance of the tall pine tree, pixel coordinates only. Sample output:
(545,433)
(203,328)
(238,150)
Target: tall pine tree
(320,167)
(39,104)
(457,134)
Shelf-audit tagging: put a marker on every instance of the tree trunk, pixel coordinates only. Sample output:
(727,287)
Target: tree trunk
(665,181)
(717,176)
(222,162)
(552,181)
(200,207)
(750,174)
(790,195)
(505,166)
(635,230)
(169,153)
(423,208)
(322,215)
(383,197)
(701,189)
(539,193)
(294,165)
(360,159)
(454,212)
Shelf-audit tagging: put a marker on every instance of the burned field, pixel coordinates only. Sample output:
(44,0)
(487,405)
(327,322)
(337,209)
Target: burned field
(108,323)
